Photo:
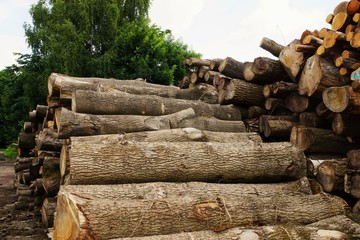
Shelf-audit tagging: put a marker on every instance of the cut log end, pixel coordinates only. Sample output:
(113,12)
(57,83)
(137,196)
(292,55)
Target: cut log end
(336,99)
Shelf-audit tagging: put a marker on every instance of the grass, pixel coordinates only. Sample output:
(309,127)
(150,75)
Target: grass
(10,152)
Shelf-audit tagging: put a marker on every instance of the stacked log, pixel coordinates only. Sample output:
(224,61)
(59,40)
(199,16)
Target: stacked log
(237,149)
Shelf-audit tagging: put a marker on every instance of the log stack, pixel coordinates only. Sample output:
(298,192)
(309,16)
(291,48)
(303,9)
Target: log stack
(237,150)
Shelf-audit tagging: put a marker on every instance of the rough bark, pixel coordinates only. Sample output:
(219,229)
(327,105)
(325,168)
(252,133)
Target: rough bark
(212,124)
(26,141)
(311,119)
(279,89)
(48,211)
(256,111)
(47,140)
(122,103)
(145,217)
(352,183)
(296,102)
(232,68)
(342,99)
(28,128)
(271,46)
(215,63)
(319,74)
(330,175)
(197,62)
(264,118)
(161,161)
(278,128)
(242,92)
(316,140)
(353,157)
(77,124)
(270,69)
(344,124)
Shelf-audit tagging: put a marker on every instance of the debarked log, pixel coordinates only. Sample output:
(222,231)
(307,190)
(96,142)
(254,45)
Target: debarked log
(123,162)
(144,217)
(123,103)
(79,124)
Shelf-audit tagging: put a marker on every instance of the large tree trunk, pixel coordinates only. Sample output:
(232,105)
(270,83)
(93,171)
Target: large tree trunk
(213,124)
(84,217)
(316,140)
(232,68)
(335,228)
(116,162)
(122,103)
(243,92)
(319,74)
(292,60)
(78,124)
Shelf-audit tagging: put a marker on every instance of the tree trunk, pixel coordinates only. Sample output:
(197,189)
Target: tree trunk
(213,124)
(296,102)
(167,161)
(51,184)
(278,128)
(279,89)
(292,60)
(48,211)
(197,62)
(270,69)
(343,124)
(28,127)
(330,175)
(215,63)
(271,46)
(122,103)
(319,74)
(47,140)
(242,92)
(78,124)
(26,141)
(311,119)
(68,85)
(256,111)
(265,118)
(342,99)
(232,68)
(353,157)
(352,183)
(145,217)
(316,140)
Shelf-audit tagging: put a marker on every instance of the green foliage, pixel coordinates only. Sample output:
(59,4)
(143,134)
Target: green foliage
(86,38)
(10,151)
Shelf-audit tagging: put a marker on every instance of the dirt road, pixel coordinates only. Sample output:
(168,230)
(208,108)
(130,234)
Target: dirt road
(16,224)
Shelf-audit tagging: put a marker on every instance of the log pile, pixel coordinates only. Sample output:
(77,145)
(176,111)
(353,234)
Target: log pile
(237,150)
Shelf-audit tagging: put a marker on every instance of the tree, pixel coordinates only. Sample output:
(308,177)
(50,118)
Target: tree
(111,38)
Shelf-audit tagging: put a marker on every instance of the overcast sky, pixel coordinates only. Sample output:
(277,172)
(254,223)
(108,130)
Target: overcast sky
(214,28)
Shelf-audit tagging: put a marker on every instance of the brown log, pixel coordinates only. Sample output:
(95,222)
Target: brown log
(184,83)
(232,68)
(346,100)
(32,116)
(312,40)
(213,124)
(122,103)
(324,112)
(353,157)
(278,128)
(343,124)
(51,184)
(265,118)
(311,119)
(202,71)
(78,124)
(26,141)
(48,211)
(40,112)
(47,140)
(215,63)
(23,164)
(296,102)
(341,7)
(275,104)
(330,175)
(197,62)
(209,76)
(305,48)
(243,92)
(179,135)
(28,127)
(292,60)
(161,161)
(279,89)
(352,183)
(50,166)
(316,140)
(349,63)
(271,46)
(340,21)
(144,217)
(319,74)
(269,69)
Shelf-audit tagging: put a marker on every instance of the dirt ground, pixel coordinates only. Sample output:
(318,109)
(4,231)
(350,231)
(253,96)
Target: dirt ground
(16,224)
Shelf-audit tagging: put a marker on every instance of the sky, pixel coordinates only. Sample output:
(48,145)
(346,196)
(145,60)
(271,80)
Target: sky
(216,29)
